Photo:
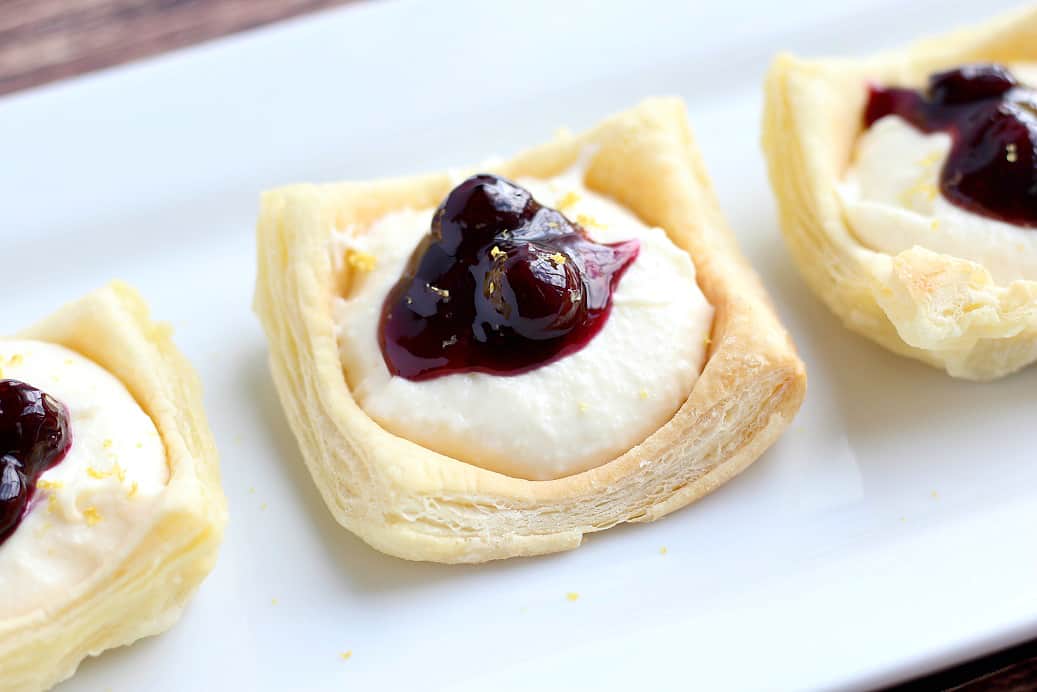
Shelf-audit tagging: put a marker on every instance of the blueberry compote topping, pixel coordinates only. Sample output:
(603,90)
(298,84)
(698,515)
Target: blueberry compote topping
(501,284)
(34,437)
(992,120)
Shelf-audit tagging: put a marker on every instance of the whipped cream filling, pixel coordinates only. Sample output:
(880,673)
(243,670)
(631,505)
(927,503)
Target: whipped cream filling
(892,201)
(88,508)
(568,416)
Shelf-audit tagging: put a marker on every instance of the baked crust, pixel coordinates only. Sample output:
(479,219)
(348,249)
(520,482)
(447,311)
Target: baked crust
(943,310)
(144,592)
(408,501)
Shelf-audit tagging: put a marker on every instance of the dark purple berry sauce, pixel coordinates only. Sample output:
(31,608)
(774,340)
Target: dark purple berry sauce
(501,285)
(992,120)
(34,437)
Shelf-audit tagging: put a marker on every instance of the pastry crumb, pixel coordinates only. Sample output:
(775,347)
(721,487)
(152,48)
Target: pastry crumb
(107,444)
(558,258)
(497,253)
(1011,154)
(132,492)
(92,516)
(49,485)
(346,655)
(572,596)
(643,394)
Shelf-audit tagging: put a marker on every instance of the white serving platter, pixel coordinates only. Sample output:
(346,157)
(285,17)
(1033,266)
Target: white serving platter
(888,533)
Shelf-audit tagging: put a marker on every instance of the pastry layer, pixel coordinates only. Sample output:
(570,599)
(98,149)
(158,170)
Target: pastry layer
(158,568)
(101,496)
(946,310)
(567,416)
(892,201)
(409,501)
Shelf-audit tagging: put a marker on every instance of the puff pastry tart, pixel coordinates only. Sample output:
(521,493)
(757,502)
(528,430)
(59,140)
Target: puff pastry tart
(111,510)
(567,343)
(907,187)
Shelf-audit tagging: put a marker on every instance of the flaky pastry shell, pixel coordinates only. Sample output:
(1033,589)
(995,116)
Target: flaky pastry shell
(144,589)
(943,310)
(408,501)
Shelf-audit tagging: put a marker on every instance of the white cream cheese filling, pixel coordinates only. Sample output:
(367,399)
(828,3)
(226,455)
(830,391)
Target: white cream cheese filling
(88,509)
(892,201)
(568,416)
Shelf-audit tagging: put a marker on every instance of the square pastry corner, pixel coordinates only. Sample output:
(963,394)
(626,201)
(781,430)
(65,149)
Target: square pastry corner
(143,592)
(911,302)
(411,502)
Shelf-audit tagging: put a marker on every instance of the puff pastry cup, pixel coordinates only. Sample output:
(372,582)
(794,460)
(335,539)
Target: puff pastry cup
(143,592)
(408,501)
(943,310)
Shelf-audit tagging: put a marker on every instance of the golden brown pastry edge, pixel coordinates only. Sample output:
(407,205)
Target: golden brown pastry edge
(408,501)
(146,591)
(945,311)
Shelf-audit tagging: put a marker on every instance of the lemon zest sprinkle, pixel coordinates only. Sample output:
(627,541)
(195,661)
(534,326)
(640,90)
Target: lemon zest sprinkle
(92,516)
(567,200)
(361,261)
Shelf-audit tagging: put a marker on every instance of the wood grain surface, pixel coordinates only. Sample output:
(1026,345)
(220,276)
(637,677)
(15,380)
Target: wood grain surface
(46,40)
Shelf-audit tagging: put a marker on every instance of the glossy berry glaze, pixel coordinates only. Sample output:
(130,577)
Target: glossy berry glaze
(501,284)
(992,120)
(34,437)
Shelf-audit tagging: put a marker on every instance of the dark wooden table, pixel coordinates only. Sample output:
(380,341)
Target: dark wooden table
(45,40)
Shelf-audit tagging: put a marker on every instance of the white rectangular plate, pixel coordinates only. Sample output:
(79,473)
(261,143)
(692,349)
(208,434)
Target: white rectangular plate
(889,532)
